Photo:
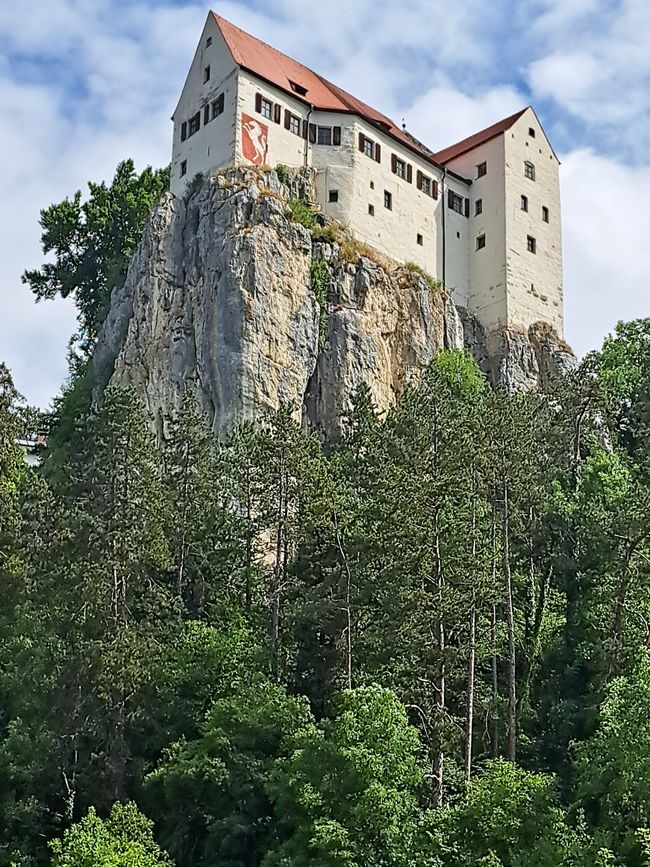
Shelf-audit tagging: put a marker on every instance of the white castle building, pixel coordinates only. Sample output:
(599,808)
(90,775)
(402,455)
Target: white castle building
(482,216)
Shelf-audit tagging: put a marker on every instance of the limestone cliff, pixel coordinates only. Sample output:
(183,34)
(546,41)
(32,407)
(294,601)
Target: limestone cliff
(221,298)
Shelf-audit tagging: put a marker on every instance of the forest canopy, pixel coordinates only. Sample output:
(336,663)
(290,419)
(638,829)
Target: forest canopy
(423,644)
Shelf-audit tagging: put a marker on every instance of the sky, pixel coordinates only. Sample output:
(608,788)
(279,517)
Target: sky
(87,83)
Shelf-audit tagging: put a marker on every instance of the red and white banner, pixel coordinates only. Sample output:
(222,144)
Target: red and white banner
(254,139)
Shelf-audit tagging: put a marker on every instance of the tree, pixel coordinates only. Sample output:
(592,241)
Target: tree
(93,242)
(209,794)
(508,817)
(124,839)
(348,795)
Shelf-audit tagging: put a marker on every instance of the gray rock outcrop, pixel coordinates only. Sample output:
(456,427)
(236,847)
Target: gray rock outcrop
(220,298)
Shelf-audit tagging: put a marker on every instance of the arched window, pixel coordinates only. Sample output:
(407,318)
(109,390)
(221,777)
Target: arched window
(529,170)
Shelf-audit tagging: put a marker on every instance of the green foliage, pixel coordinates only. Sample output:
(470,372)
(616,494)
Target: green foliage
(300,212)
(209,793)
(122,840)
(283,173)
(194,185)
(92,243)
(348,795)
(319,276)
(509,817)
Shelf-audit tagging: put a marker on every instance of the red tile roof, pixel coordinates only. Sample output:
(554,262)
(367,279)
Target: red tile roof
(270,64)
(479,138)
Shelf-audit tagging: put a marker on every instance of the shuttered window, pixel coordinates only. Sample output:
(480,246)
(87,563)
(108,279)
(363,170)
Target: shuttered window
(264,107)
(369,147)
(217,105)
(194,124)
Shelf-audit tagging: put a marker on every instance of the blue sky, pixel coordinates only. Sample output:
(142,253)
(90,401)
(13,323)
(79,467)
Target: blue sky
(86,83)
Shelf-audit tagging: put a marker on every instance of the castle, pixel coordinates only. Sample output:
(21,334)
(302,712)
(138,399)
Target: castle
(482,216)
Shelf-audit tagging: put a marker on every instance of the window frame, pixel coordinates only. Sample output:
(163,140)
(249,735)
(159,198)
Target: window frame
(481,169)
(183,168)
(480,242)
(419,239)
(371,209)
(324,129)
(546,214)
(455,199)
(207,72)
(478,207)
(194,124)
(332,197)
(218,105)
(529,170)
(523,204)
(266,104)
(388,200)
(531,244)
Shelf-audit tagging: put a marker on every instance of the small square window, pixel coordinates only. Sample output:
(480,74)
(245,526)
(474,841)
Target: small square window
(545,214)
(531,244)
(478,207)
(183,168)
(206,74)
(420,240)
(480,242)
(333,196)
(371,210)
(524,203)
(481,170)
(388,200)
(531,132)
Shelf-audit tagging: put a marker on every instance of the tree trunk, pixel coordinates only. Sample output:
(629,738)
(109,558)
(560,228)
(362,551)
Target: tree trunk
(511,717)
(471,656)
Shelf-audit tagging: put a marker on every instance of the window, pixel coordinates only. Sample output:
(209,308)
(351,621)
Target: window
(324,135)
(266,108)
(388,200)
(295,125)
(208,42)
(370,148)
(217,106)
(206,114)
(529,170)
(372,185)
(531,132)
(298,88)
(184,130)
(481,170)
(399,167)
(183,168)
(420,240)
(206,74)
(545,214)
(531,244)
(427,185)
(194,123)
(480,242)
(524,203)
(456,202)
(478,207)
(371,210)
(333,196)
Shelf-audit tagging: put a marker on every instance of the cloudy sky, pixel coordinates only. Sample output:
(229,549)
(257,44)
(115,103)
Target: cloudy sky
(86,83)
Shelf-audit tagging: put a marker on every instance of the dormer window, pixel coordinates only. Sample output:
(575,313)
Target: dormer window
(298,88)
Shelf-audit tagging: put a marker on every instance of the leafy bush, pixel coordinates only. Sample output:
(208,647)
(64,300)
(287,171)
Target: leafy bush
(300,212)
(319,281)
(194,185)
(283,173)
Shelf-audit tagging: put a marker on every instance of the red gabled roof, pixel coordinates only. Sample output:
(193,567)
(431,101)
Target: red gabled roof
(479,138)
(277,68)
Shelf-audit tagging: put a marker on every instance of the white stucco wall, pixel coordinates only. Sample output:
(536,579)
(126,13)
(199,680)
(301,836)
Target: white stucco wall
(535,291)
(213,146)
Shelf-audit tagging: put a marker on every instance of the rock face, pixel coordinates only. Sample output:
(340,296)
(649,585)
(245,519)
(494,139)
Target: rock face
(221,298)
